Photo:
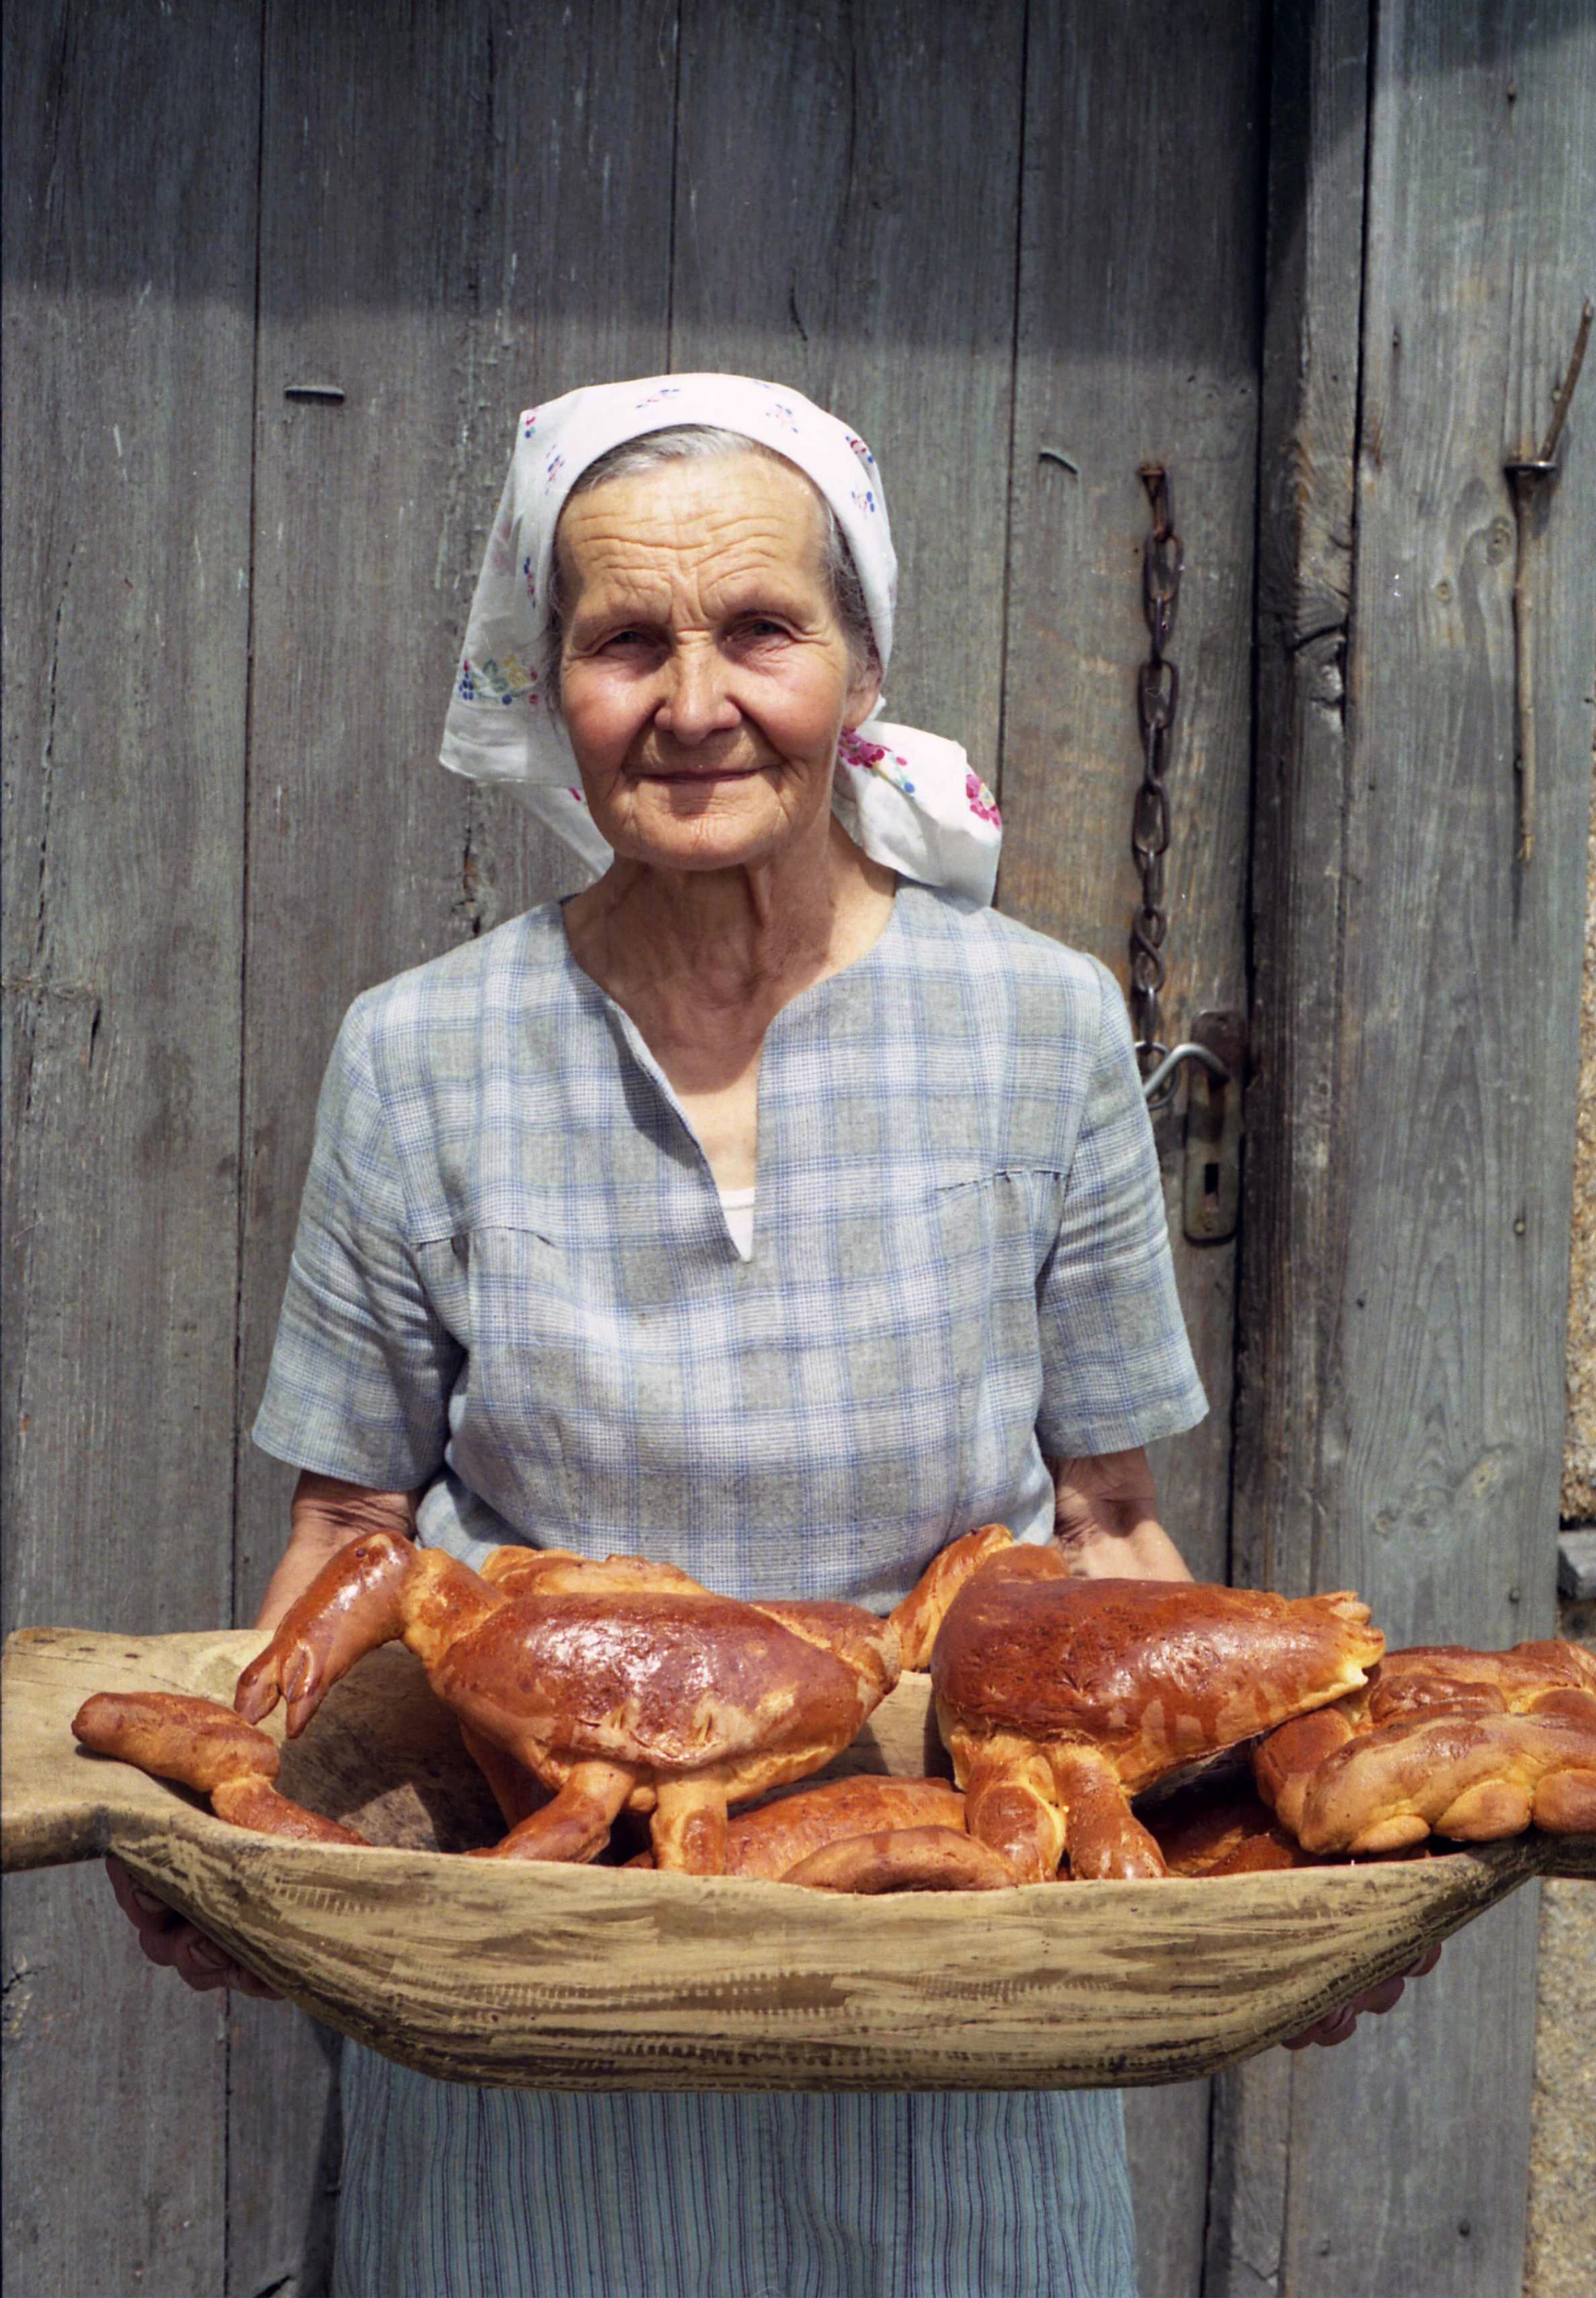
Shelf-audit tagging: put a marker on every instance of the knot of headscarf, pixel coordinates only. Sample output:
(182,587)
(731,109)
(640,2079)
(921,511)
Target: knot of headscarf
(911,800)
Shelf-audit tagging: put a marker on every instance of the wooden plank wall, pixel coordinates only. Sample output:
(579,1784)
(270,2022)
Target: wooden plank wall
(1122,358)
(1416,1017)
(581,212)
(979,229)
(126,642)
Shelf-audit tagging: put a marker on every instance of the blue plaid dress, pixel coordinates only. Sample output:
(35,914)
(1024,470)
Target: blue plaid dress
(513,1285)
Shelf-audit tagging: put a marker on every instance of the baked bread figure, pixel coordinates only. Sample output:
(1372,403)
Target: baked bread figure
(204,1745)
(621,1685)
(1471,1745)
(1229,1833)
(1060,1698)
(865,1833)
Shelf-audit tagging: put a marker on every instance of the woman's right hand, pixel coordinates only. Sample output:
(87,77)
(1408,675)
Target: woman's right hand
(168,1938)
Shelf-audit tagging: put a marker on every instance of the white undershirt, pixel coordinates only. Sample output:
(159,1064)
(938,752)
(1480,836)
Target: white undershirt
(738,1205)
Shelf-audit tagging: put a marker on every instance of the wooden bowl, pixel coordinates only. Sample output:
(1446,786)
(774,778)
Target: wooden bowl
(596,1978)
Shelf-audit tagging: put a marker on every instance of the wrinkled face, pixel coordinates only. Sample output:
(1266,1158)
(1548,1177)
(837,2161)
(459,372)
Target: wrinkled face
(705,678)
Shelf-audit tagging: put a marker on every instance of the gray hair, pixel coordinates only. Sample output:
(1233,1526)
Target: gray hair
(693,442)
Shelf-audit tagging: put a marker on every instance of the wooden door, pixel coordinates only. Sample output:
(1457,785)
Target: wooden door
(1021,245)
(1415,1016)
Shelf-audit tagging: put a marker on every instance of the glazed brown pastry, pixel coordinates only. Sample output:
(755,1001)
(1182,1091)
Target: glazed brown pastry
(1060,1698)
(865,1833)
(923,1611)
(1466,1744)
(204,1745)
(622,1685)
(256,1804)
(779,1836)
(1229,1834)
(903,1859)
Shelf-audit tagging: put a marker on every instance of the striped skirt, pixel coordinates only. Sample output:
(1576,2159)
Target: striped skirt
(450,2192)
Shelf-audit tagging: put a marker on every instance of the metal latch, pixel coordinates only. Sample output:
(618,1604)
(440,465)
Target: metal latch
(1214,1096)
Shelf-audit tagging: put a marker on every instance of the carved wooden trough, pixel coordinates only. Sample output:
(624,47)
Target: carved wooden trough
(590,1978)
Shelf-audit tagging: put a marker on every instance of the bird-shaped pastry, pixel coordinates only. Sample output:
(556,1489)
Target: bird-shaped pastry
(620,1685)
(1060,1698)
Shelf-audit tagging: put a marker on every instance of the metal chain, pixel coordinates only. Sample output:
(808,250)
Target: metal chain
(1157,691)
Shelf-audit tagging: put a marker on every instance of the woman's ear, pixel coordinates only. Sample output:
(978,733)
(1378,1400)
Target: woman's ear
(864,693)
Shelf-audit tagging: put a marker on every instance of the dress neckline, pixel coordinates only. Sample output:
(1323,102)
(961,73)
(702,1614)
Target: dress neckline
(595,999)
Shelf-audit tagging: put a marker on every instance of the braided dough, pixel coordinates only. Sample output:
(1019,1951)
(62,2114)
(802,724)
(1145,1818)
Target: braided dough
(1471,1745)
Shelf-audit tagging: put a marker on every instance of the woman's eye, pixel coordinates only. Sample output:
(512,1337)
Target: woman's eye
(764,626)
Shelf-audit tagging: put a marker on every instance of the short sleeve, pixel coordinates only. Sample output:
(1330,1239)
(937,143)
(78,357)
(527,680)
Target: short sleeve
(363,1367)
(1117,1367)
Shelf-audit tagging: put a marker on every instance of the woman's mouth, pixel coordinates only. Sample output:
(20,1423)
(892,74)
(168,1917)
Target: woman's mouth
(694,776)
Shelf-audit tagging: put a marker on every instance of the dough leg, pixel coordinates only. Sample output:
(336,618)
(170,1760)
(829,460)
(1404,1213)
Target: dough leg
(1105,1841)
(1009,1807)
(923,1611)
(903,1859)
(689,1826)
(175,1735)
(253,1803)
(576,1825)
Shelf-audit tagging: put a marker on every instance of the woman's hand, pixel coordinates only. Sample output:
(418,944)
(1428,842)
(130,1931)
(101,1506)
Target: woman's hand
(1336,2026)
(326,1515)
(1105,1519)
(167,1938)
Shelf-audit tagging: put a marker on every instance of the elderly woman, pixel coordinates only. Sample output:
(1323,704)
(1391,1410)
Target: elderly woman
(772,1207)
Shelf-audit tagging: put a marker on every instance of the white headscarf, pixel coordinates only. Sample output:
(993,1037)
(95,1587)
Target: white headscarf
(911,800)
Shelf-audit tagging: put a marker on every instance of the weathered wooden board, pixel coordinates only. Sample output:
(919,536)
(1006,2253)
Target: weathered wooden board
(1318,120)
(1297,1163)
(597,1978)
(855,237)
(126,634)
(1406,1439)
(463,210)
(1137,339)
(130,140)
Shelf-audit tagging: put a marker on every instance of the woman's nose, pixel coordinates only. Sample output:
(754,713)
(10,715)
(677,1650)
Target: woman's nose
(697,701)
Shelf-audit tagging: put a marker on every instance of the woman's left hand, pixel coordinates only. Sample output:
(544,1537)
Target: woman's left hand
(1337,2025)
(1105,1519)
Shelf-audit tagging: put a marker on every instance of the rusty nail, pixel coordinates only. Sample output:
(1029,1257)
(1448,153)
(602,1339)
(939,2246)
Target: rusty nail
(1526,473)
(1565,392)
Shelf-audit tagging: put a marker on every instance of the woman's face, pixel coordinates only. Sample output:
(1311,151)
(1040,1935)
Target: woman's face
(705,677)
